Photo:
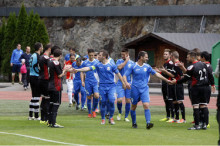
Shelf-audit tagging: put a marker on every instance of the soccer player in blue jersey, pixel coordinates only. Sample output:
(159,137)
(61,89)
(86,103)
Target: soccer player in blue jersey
(90,83)
(107,86)
(72,51)
(139,89)
(78,85)
(123,64)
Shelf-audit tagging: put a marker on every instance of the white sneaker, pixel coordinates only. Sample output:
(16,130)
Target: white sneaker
(127,120)
(37,119)
(30,118)
(119,117)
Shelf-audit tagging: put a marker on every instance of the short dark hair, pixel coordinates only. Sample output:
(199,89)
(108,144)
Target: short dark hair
(37,46)
(124,50)
(54,48)
(141,54)
(104,53)
(175,54)
(71,54)
(73,49)
(47,47)
(197,51)
(79,59)
(192,54)
(57,53)
(90,51)
(205,55)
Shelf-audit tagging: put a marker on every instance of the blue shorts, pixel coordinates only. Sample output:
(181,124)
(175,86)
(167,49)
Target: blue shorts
(16,68)
(107,93)
(122,92)
(139,94)
(78,87)
(91,88)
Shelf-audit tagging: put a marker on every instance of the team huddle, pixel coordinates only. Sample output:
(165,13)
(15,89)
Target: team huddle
(100,81)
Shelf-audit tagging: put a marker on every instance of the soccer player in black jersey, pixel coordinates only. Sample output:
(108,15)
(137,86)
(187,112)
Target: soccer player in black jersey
(199,75)
(55,87)
(44,79)
(178,90)
(166,72)
(205,57)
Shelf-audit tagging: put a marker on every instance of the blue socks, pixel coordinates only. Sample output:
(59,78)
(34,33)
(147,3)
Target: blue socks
(147,115)
(95,104)
(119,105)
(89,105)
(111,109)
(83,98)
(103,110)
(127,109)
(76,96)
(133,116)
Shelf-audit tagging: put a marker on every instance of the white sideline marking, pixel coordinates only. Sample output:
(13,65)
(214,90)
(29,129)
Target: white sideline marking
(40,139)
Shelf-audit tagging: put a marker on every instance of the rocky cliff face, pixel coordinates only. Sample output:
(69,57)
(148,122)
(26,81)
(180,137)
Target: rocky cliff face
(112,33)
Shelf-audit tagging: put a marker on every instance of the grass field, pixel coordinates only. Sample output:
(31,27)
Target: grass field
(86,131)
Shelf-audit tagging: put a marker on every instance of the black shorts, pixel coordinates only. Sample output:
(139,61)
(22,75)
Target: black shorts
(199,94)
(55,97)
(34,81)
(16,68)
(44,88)
(164,91)
(176,92)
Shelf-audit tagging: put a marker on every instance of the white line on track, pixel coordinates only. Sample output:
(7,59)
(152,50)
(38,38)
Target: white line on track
(42,139)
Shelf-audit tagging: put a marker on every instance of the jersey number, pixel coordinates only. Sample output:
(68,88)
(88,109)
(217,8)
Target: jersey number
(202,74)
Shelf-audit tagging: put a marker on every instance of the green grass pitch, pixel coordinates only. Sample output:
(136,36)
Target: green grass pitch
(88,131)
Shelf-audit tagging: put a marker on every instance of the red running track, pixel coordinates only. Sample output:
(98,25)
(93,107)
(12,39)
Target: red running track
(156,100)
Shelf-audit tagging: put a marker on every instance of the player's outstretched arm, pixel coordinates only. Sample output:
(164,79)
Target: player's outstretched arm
(161,77)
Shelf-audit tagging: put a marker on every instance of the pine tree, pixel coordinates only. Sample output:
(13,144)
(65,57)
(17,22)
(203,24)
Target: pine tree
(28,36)
(34,31)
(2,37)
(42,35)
(9,44)
(21,27)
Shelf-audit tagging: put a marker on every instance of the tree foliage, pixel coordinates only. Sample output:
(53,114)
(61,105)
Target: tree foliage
(25,30)
(9,42)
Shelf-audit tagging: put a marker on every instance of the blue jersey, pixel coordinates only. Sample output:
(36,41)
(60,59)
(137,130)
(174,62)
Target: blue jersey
(77,75)
(16,54)
(90,77)
(67,57)
(140,74)
(123,70)
(105,72)
(111,60)
(34,67)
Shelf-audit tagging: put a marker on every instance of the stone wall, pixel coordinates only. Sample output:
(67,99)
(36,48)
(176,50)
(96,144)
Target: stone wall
(112,33)
(72,3)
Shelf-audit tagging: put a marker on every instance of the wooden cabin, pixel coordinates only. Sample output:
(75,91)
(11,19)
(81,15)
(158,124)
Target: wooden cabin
(155,43)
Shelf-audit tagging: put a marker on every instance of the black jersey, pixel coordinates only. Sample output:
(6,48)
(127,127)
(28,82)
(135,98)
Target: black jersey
(210,76)
(55,83)
(177,72)
(198,73)
(43,63)
(168,65)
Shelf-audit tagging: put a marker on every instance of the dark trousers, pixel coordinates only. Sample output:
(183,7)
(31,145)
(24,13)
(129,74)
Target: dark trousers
(28,75)
(24,79)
